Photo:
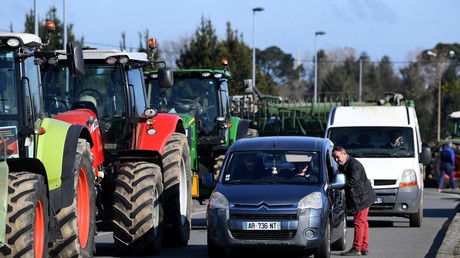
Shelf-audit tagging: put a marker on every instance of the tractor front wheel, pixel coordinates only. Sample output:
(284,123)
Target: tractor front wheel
(77,221)
(178,190)
(138,208)
(27,217)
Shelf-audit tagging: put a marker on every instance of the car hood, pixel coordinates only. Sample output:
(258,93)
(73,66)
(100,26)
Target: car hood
(267,193)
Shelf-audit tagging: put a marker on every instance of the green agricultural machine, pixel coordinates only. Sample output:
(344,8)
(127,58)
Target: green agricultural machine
(47,196)
(200,97)
(433,171)
(272,115)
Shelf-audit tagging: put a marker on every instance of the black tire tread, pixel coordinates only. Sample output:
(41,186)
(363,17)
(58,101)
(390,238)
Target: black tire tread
(134,231)
(176,159)
(68,216)
(24,191)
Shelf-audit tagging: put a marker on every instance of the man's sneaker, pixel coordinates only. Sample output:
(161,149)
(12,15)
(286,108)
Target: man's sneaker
(351,252)
(364,252)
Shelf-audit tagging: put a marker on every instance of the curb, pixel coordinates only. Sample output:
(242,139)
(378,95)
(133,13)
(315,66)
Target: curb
(450,246)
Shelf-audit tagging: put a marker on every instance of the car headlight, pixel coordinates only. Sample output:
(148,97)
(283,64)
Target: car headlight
(218,201)
(311,201)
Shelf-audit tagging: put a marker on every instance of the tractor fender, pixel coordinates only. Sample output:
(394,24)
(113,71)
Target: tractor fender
(27,164)
(165,125)
(151,156)
(56,149)
(233,132)
(88,118)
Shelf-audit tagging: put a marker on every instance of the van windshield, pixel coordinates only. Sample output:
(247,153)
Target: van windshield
(378,142)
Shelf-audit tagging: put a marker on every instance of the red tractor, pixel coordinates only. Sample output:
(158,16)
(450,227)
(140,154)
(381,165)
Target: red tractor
(141,158)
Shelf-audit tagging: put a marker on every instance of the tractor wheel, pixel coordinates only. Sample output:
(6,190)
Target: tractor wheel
(138,208)
(77,221)
(178,191)
(27,218)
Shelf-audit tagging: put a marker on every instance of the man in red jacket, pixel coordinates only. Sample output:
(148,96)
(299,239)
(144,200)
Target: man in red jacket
(359,196)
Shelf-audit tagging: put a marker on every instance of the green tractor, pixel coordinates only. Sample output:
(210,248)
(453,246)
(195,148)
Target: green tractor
(47,206)
(200,97)
(433,171)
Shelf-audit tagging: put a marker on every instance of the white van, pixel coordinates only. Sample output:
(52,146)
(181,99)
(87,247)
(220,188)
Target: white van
(386,140)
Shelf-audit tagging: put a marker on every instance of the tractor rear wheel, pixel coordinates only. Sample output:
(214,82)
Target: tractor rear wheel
(178,190)
(27,217)
(138,208)
(77,221)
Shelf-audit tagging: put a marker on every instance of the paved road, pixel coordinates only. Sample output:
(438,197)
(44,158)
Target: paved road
(390,236)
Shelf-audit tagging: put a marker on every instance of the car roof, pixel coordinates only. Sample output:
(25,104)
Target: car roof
(301,143)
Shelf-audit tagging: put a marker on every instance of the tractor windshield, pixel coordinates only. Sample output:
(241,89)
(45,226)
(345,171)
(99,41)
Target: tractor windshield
(101,89)
(8,83)
(196,97)
(101,86)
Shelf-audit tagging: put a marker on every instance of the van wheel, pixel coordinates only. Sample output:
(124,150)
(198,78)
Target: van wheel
(415,219)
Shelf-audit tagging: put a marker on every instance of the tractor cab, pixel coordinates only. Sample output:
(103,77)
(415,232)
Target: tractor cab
(199,94)
(107,89)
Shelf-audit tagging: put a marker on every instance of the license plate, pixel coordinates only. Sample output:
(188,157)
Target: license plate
(379,200)
(257,225)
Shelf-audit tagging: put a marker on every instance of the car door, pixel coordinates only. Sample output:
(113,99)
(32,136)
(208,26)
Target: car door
(337,197)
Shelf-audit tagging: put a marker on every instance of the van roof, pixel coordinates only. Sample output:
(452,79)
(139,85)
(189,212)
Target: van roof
(373,116)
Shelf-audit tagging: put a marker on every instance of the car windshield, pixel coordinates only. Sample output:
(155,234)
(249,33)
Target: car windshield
(375,142)
(272,167)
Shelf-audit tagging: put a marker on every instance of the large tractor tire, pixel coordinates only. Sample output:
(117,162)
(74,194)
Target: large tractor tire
(77,221)
(138,208)
(178,191)
(27,218)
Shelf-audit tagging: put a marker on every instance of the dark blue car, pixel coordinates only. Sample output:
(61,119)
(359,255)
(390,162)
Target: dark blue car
(279,192)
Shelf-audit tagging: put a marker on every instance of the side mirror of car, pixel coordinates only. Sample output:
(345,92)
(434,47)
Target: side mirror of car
(339,181)
(208,180)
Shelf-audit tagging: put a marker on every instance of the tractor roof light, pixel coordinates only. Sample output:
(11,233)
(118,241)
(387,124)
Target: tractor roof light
(153,44)
(123,59)
(50,26)
(111,60)
(13,42)
(206,74)
(217,75)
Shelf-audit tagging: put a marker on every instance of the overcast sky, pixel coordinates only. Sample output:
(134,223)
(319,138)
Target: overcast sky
(396,28)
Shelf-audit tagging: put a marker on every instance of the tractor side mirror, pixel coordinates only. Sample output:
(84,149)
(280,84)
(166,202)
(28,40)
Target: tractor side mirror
(248,86)
(165,77)
(75,59)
